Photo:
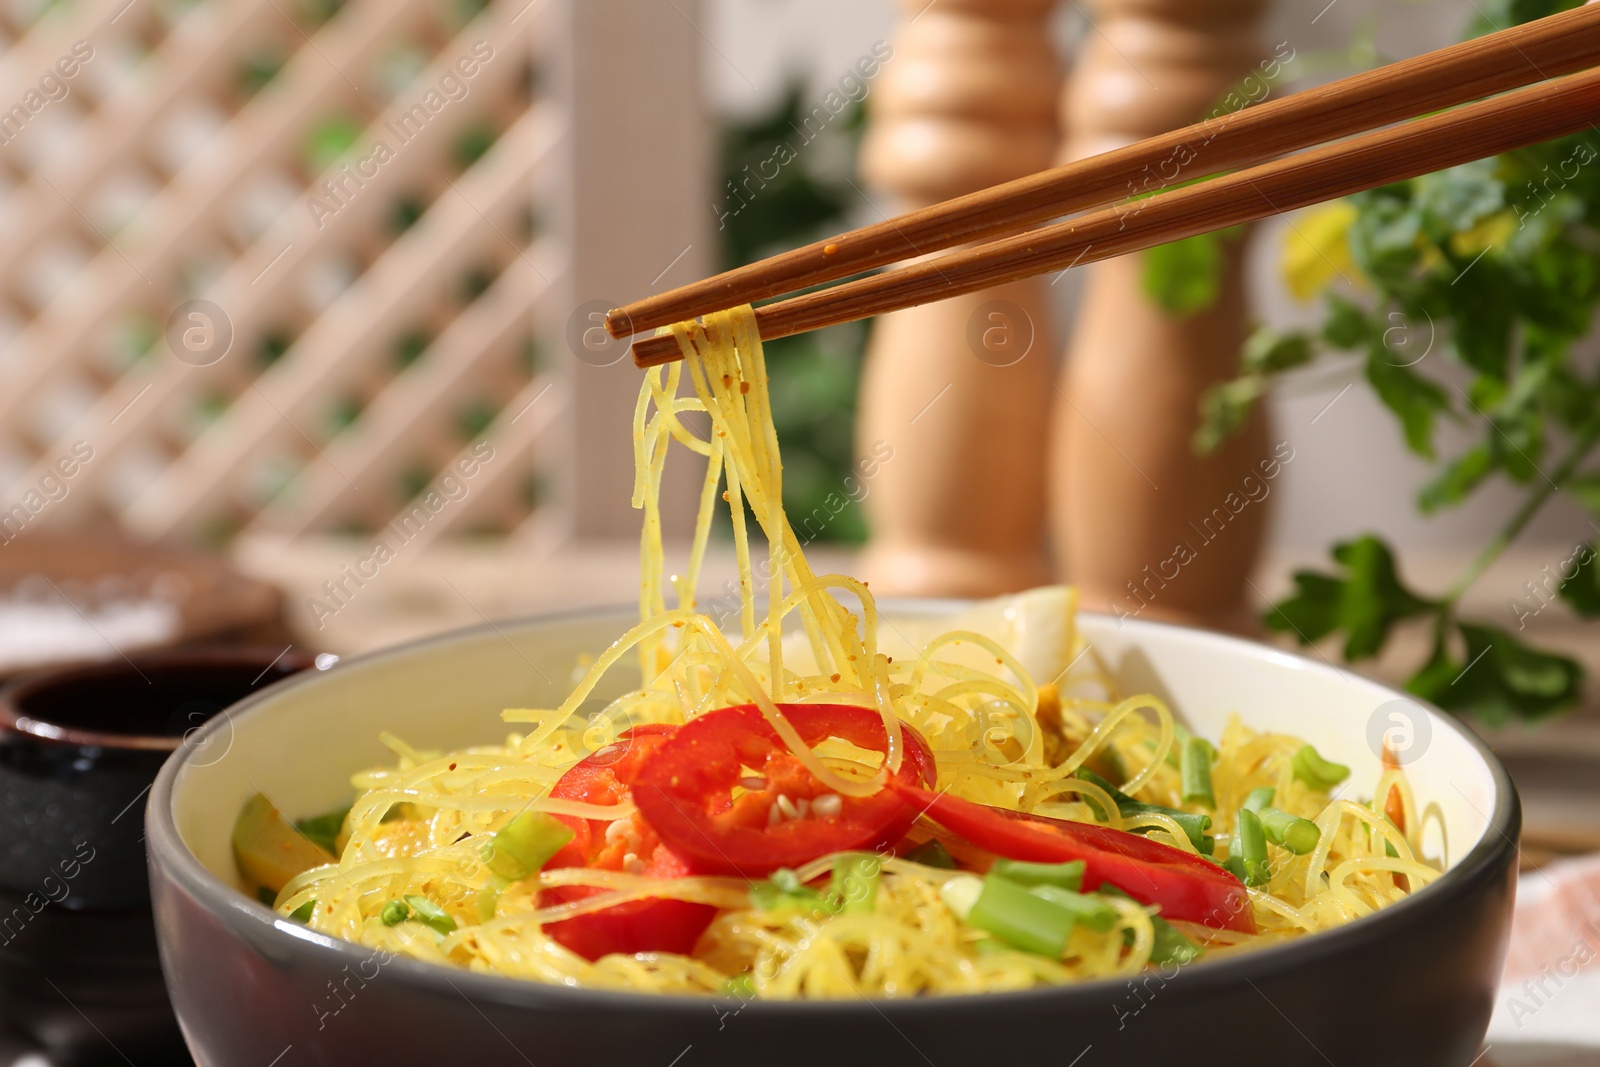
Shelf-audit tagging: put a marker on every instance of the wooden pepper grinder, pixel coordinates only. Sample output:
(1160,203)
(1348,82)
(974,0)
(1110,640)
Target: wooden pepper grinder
(957,394)
(1142,524)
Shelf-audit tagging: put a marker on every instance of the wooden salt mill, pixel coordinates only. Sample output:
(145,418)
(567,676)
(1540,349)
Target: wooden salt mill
(1126,481)
(967,100)
(960,508)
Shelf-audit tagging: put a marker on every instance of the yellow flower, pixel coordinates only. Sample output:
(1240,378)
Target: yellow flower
(1316,249)
(1488,232)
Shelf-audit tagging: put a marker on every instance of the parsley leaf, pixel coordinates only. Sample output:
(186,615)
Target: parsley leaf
(1184,277)
(1409,395)
(1363,603)
(1347,325)
(1500,679)
(1582,589)
(1458,479)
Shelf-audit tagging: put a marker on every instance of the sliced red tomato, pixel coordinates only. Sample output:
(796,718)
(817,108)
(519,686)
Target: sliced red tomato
(685,790)
(1183,885)
(651,925)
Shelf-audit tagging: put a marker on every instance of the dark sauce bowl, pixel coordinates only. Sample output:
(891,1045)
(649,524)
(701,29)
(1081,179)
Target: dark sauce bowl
(79,748)
(1411,986)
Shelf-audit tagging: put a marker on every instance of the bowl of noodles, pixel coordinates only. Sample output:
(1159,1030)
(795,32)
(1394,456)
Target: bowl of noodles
(807,824)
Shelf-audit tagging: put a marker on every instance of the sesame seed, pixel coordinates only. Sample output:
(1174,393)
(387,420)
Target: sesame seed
(827,805)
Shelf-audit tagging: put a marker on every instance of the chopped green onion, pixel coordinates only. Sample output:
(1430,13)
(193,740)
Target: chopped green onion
(489,897)
(1011,913)
(1388,846)
(323,830)
(1194,826)
(267,896)
(1169,946)
(855,882)
(1247,858)
(1091,911)
(1290,831)
(1316,772)
(1259,798)
(1064,875)
(430,914)
(302,914)
(783,891)
(1195,771)
(933,854)
(961,893)
(525,844)
(394,912)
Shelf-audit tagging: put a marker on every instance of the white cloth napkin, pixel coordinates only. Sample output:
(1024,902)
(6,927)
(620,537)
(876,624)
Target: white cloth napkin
(1547,1013)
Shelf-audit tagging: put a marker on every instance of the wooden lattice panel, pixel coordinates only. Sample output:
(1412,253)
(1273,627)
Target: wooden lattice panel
(356,196)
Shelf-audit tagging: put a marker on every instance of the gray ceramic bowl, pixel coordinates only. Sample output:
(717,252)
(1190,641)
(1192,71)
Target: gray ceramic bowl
(1410,985)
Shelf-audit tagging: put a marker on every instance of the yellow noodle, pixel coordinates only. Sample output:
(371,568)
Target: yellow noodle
(980,721)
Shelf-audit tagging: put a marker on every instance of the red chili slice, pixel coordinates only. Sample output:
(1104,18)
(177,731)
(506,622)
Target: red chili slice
(1185,886)
(650,925)
(685,790)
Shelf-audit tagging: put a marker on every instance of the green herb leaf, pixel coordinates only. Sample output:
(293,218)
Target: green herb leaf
(1586,490)
(1383,239)
(1455,199)
(1458,479)
(1409,395)
(1270,351)
(1224,409)
(1347,325)
(1500,678)
(1582,590)
(1184,277)
(1364,603)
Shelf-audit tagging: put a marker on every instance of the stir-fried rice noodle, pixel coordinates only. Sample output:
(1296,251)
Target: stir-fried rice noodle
(417,826)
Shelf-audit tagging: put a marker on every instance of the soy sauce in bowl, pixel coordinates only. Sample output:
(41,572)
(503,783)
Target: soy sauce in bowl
(79,748)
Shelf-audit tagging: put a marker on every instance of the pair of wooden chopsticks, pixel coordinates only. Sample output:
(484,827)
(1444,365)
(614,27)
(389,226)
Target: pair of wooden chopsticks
(1541,56)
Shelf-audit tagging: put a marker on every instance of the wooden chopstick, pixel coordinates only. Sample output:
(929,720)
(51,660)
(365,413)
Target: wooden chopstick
(1501,124)
(1546,48)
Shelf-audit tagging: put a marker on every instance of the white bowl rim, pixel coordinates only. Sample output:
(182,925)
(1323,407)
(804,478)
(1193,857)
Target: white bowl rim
(229,905)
